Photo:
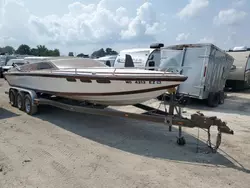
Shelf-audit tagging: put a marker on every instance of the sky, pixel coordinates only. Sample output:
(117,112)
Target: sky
(86,25)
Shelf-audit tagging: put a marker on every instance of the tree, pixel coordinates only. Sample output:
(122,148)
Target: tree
(7,49)
(102,53)
(71,54)
(23,49)
(98,53)
(56,52)
(34,52)
(109,51)
(42,50)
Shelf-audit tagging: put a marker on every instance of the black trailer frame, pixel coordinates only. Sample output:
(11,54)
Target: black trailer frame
(29,101)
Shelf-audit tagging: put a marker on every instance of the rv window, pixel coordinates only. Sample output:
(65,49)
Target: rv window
(151,64)
(151,57)
(108,63)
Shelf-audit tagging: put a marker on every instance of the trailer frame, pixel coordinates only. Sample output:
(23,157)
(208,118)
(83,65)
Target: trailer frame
(29,101)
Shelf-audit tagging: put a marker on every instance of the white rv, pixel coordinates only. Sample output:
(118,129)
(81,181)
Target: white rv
(148,58)
(239,75)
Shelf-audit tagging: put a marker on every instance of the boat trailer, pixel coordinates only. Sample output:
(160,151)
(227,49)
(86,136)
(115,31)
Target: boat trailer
(29,101)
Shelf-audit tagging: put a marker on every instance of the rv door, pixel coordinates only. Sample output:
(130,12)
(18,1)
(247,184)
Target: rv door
(195,58)
(189,63)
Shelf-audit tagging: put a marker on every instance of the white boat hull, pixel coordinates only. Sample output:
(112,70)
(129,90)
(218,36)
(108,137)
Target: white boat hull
(117,92)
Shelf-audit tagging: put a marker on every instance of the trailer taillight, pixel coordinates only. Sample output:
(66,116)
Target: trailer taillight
(205,70)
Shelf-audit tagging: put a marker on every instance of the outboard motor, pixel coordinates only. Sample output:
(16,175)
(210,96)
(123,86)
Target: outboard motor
(129,61)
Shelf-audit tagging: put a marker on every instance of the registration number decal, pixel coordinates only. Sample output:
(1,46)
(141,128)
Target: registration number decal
(145,82)
(154,82)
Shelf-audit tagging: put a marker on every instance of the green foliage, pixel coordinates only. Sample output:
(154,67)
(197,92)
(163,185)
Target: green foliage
(7,49)
(102,53)
(40,50)
(83,55)
(23,49)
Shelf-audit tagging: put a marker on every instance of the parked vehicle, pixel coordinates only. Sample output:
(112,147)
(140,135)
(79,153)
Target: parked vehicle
(107,60)
(239,75)
(206,66)
(11,62)
(3,61)
(148,58)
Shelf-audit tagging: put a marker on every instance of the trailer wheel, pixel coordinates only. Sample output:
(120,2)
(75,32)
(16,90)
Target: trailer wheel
(222,97)
(20,101)
(28,105)
(213,99)
(12,97)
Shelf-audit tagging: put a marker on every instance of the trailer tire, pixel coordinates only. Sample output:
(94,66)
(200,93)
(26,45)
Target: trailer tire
(20,101)
(222,97)
(29,107)
(12,97)
(213,99)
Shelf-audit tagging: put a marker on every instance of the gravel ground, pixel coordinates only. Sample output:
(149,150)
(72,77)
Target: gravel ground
(57,148)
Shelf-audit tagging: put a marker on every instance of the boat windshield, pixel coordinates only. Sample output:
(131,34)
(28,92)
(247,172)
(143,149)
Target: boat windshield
(77,63)
(37,66)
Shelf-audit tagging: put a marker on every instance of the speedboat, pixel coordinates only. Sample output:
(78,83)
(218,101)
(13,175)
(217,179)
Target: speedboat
(89,80)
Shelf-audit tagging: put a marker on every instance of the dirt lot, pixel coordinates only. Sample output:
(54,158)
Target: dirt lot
(57,148)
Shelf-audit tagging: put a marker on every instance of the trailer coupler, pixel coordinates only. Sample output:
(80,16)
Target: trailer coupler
(205,122)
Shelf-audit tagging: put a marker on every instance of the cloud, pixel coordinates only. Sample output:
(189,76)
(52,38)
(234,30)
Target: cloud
(13,26)
(239,2)
(207,40)
(229,17)
(182,36)
(82,24)
(143,24)
(193,8)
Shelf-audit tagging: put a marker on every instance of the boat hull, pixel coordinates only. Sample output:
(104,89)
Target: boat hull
(106,92)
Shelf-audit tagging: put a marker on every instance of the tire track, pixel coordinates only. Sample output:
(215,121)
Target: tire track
(67,175)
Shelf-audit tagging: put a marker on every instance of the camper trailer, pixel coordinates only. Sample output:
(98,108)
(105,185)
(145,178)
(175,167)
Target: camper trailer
(239,75)
(147,58)
(206,66)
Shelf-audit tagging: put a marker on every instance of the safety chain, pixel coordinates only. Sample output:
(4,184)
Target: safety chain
(218,141)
